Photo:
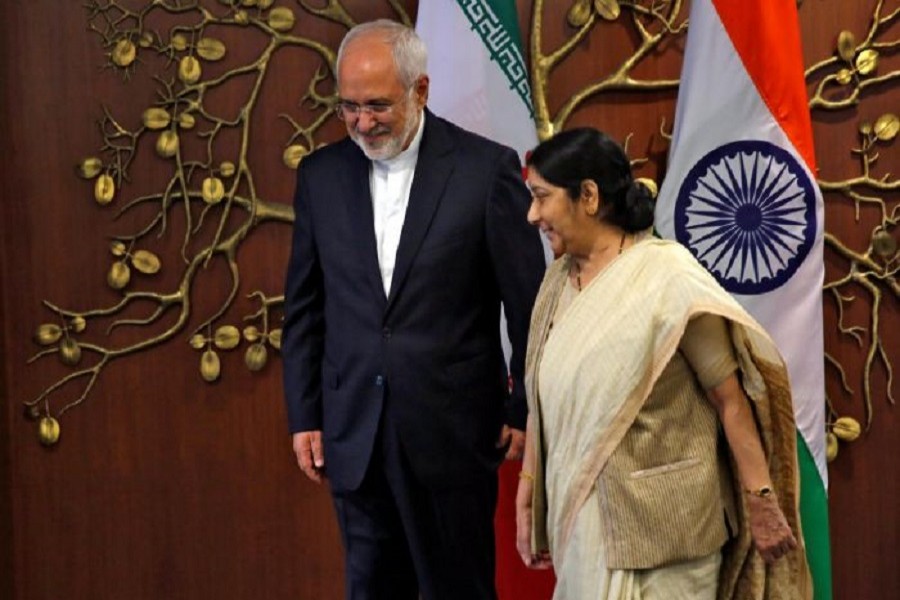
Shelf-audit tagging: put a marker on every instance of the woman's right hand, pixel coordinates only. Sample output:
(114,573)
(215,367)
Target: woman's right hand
(532,560)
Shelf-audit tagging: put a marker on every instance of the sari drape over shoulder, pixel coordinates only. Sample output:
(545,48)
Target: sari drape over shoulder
(600,361)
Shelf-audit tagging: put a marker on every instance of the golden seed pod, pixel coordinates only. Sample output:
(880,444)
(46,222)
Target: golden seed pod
(275,338)
(867,61)
(579,13)
(831,446)
(48,333)
(293,155)
(89,168)
(179,42)
(213,190)
(78,323)
(281,19)
(608,9)
(264,4)
(186,121)
(119,275)
(210,367)
(69,352)
(197,341)
(48,431)
(117,248)
(846,428)
(227,337)
(251,333)
(146,40)
(886,127)
(104,189)
(884,244)
(156,118)
(167,143)
(248,3)
(124,53)
(241,18)
(226,169)
(844,76)
(865,128)
(189,69)
(256,356)
(210,49)
(649,184)
(146,262)
(846,45)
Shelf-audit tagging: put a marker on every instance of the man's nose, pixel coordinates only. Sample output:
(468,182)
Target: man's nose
(365,121)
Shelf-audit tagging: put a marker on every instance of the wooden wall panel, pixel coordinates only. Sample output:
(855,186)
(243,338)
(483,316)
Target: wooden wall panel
(165,487)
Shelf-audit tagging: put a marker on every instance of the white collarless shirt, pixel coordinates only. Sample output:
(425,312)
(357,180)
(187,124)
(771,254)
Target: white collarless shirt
(390,182)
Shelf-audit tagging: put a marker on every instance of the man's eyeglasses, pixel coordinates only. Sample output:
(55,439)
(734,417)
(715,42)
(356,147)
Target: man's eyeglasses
(350,111)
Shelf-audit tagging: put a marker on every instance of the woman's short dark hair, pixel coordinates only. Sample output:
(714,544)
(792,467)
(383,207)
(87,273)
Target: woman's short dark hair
(573,156)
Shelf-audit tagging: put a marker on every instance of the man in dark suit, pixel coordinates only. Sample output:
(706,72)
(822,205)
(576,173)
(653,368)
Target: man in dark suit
(408,235)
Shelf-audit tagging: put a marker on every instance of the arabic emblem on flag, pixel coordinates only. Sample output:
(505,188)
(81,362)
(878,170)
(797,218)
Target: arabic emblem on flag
(746,210)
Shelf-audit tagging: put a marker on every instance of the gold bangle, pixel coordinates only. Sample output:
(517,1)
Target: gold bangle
(526,475)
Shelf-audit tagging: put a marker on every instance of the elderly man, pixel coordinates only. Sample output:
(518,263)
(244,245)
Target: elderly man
(408,236)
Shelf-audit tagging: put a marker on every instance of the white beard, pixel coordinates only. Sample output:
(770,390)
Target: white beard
(392,146)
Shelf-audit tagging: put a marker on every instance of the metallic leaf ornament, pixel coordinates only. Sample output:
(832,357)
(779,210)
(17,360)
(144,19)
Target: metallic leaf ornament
(48,333)
(167,144)
(579,13)
(197,341)
(844,76)
(156,118)
(78,324)
(846,45)
(117,248)
(256,356)
(69,352)
(119,275)
(241,17)
(846,429)
(831,446)
(281,19)
(48,431)
(886,127)
(186,121)
(275,338)
(608,9)
(89,167)
(210,49)
(251,333)
(210,367)
(867,61)
(293,155)
(227,168)
(104,189)
(124,53)
(179,42)
(189,70)
(213,190)
(227,337)
(146,262)
(884,244)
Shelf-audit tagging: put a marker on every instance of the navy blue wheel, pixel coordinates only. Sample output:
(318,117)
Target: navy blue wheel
(747,211)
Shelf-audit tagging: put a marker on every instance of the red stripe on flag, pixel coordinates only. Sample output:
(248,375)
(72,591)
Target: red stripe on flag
(766,35)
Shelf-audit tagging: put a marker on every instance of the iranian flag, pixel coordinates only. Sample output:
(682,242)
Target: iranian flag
(479,80)
(740,193)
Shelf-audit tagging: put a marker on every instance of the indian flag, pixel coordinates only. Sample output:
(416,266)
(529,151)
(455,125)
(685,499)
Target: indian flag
(479,80)
(740,192)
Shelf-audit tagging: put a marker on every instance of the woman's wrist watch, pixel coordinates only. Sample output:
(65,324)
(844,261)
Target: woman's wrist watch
(761,492)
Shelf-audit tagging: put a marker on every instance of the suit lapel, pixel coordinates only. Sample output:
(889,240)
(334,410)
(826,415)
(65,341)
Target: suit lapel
(433,169)
(361,216)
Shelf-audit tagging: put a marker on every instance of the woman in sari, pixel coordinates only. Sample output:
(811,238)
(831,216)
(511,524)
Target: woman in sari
(660,451)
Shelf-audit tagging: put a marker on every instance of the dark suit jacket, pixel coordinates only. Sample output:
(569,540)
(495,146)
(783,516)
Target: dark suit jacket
(429,355)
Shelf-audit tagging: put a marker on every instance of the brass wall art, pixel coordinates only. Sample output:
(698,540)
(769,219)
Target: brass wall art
(215,187)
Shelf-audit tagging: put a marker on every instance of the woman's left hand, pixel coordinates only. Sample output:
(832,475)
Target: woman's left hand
(771,533)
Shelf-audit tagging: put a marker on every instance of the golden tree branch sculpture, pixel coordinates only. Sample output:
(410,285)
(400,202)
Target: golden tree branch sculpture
(213,182)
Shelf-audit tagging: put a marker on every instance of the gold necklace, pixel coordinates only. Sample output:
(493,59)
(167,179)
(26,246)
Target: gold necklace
(578,266)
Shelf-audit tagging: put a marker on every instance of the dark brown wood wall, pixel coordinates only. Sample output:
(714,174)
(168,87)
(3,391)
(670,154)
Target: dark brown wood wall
(163,486)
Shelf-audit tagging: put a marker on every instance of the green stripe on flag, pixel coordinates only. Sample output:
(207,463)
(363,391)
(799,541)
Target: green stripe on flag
(497,24)
(814,520)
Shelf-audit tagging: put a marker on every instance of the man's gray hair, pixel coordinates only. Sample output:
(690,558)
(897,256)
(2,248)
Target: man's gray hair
(408,49)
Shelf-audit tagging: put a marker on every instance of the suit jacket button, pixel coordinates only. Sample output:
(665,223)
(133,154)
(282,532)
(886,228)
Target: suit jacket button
(379,380)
